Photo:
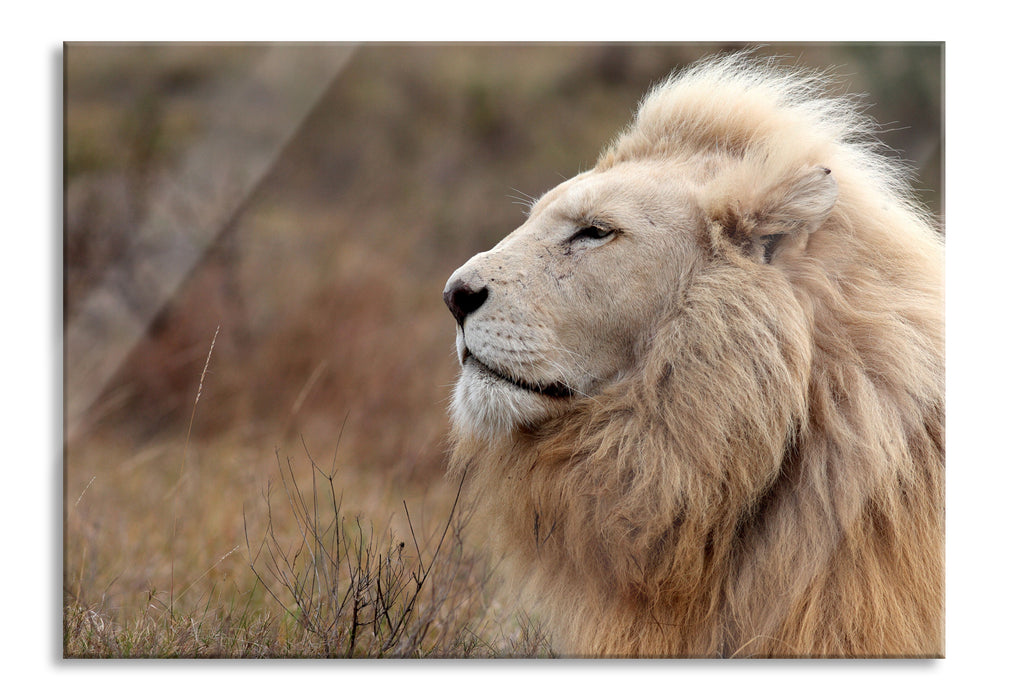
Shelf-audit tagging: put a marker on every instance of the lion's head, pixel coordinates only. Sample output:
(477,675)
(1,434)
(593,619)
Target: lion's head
(702,383)
(571,302)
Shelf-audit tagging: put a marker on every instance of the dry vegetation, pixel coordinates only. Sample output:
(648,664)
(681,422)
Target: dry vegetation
(298,507)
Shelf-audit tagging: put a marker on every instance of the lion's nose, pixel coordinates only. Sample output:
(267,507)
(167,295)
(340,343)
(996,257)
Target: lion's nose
(462,299)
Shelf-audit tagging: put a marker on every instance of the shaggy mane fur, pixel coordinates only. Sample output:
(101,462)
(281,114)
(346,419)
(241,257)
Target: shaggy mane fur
(769,481)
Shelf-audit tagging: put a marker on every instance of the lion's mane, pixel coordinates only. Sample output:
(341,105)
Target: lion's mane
(769,481)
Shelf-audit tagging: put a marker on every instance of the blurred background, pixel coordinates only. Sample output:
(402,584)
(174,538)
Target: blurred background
(293,211)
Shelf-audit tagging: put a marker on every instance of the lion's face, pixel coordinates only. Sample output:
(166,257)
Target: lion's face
(565,305)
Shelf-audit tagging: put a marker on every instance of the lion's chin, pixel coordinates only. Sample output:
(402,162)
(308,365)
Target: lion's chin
(489,405)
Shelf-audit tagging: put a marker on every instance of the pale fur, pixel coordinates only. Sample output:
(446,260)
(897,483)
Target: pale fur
(751,463)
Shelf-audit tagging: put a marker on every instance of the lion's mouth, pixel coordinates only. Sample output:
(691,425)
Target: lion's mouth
(556,390)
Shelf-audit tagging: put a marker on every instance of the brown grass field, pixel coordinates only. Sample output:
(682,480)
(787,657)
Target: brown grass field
(257,360)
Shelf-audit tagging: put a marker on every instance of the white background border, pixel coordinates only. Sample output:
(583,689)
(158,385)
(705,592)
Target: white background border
(976,348)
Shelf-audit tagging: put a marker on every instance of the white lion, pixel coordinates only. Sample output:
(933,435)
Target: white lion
(701,400)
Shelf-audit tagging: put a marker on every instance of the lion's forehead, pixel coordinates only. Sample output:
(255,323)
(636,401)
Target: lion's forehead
(576,197)
(629,192)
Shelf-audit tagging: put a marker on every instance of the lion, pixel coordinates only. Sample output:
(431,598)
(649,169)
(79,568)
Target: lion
(701,397)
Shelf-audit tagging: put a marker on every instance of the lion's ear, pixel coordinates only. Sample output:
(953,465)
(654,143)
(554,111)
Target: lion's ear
(759,220)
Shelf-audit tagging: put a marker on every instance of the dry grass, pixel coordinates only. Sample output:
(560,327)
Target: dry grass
(311,578)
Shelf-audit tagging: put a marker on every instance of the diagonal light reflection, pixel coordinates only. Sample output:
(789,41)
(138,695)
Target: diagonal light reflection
(252,120)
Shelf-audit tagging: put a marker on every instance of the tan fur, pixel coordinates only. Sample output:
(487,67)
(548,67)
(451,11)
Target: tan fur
(751,461)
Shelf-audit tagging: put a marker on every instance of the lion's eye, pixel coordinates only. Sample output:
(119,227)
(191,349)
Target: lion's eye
(591,233)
